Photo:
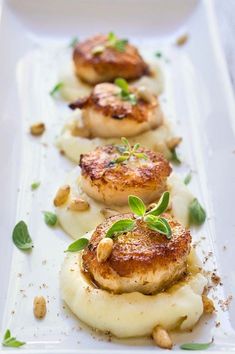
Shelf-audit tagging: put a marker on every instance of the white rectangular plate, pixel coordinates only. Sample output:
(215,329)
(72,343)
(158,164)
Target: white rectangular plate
(34,39)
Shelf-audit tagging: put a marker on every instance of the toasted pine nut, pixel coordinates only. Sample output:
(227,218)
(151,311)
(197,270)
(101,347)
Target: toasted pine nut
(145,94)
(162,338)
(182,39)
(37,129)
(208,305)
(39,307)
(80,131)
(62,195)
(173,142)
(104,249)
(78,204)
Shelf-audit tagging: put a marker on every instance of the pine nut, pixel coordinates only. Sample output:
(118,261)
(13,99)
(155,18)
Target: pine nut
(78,204)
(62,195)
(162,338)
(39,307)
(80,131)
(145,94)
(104,249)
(37,129)
(182,39)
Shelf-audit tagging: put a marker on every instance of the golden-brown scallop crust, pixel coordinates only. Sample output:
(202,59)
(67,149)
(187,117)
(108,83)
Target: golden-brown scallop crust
(109,64)
(98,166)
(105,99)
(139,251)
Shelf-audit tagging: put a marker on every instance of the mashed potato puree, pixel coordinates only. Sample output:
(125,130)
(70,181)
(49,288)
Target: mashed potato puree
(132,314)
(73,88)
(74,146)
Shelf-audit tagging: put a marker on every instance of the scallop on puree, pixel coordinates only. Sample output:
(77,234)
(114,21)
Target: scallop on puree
(135,275)
(112,111)
(132,110)
(106,177)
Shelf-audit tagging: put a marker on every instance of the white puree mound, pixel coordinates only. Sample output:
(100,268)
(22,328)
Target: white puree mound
(77,223)
(73,88)
(74,146)
(131,314)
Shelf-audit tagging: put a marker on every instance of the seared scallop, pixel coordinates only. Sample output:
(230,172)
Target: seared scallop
(141,260)
(106,114)
(106,180)
(99,60)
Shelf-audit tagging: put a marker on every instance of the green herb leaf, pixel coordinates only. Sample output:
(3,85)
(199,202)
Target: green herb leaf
(50,218)
(73,42)
(120,45)
(125,142)
(7,334)
(120,226)
(136,147)
(35,185)
(161,206)
(169,232)
(120,148)
(158,54)
(136,205)
(125,94)
(197,214)
(153,222)
(127,151)
(56,88)
(21,237)
(13,343)
(122,83)
(141,155)
(9,341)
(174,157)
(195,346)
(156,224)
(112,38)
(121,159)
(78,245)
(150,218)
(188,178)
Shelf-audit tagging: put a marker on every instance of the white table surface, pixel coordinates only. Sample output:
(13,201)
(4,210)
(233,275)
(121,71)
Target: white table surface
(225,11)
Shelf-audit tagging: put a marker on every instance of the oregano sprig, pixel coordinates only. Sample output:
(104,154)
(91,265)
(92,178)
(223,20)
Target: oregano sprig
(126,151)
(112,42)
(50,218)
(21,236)
(197,214)
(56,89)
(74,41)
(125,93)
(9,341)
(152,218)
(196,346)
(78,245)
(118,44)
